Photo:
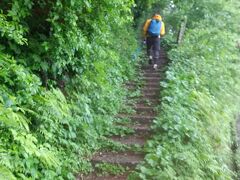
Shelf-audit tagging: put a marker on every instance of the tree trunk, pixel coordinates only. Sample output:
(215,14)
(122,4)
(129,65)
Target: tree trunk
(182,30)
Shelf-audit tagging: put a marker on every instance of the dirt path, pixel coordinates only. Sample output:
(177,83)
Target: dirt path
(145,113)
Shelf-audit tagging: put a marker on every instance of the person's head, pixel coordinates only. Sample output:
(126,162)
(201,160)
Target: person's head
(157,16)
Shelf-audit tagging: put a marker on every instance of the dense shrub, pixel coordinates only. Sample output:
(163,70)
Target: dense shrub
(63,65)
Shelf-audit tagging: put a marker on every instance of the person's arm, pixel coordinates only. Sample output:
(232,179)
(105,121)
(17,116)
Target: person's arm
(145,27)
(162,33)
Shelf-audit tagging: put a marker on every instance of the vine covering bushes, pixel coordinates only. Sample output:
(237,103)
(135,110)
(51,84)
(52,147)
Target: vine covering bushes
(62,66)
(200,95)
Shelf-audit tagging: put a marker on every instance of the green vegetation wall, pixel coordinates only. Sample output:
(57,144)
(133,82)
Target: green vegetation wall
(62,67)
(200,94)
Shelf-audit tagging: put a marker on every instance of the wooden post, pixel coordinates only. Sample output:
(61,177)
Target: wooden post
(182,30)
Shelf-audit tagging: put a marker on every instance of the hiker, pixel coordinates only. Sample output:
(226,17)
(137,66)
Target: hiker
(153,29)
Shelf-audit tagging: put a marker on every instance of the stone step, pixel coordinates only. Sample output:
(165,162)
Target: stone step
(142,107)
(151,79)
(151,93)
(149,102)
(151,70)
(145,110)
(143,119)
(150,67)
(127,159)
(151,90)
(151,85)
(146,85)
(141,128)
(151,74)
(150,96)
(134,139)
(162,56)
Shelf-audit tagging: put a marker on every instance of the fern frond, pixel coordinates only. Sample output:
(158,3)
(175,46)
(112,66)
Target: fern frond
(5,173)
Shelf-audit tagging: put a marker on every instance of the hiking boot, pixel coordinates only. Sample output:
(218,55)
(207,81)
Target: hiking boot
(155,66)
(150,60)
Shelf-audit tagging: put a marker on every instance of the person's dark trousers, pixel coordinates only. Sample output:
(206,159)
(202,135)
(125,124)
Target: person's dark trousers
(153,49)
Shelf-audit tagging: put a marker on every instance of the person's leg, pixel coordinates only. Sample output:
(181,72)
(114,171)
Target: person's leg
(149,49)
(156,51)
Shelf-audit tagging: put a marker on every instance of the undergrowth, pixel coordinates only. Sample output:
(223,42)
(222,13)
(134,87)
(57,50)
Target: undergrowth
(63,65)
(104,169)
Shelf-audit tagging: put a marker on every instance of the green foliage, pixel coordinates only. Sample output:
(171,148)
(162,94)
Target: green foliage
(6,174)
(20,151)
(9,30)
(200,97)
(62,69)
(106,169)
